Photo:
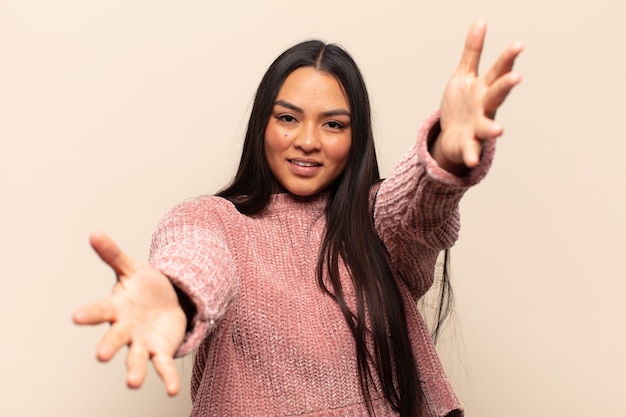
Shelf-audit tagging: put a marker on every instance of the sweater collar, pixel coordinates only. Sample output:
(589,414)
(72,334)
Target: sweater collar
(288,201)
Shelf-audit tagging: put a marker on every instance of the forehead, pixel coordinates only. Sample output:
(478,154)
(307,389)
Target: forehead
(307,85)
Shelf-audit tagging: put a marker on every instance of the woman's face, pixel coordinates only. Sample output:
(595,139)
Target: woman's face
(308,135)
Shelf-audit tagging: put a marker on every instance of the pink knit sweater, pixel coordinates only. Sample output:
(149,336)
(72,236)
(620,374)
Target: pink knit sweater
(269,341)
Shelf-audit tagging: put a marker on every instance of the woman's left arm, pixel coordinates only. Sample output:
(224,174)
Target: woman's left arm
(416,209)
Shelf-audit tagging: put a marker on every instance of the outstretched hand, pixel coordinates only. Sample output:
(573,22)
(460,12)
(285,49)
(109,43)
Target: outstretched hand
(470,101)
(144,314)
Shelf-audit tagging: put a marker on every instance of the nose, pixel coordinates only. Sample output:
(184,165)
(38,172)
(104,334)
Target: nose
(308,139)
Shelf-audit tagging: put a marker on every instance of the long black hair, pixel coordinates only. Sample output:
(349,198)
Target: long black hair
(380,317)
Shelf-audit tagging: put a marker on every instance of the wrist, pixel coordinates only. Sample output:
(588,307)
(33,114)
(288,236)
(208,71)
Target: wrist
(436,152)
(187,306)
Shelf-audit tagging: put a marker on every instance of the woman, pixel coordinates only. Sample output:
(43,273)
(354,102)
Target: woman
(297,283)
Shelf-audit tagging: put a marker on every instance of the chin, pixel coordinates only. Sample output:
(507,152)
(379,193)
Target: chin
(301,193)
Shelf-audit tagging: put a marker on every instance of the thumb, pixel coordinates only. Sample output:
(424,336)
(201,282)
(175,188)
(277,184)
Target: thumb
(111,254)
(471,153)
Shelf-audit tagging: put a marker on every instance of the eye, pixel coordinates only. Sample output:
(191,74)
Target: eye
(286,118)
(335,125)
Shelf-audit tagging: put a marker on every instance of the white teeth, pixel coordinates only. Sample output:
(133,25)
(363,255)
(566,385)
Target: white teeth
(304,164)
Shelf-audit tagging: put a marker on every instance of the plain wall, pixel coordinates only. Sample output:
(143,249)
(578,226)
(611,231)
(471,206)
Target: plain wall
(113,111)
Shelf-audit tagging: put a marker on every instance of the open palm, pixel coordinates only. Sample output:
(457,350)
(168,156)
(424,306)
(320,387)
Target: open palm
(144,314)
(470,101)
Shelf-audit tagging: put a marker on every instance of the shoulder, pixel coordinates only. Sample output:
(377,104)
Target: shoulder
(204,204)
(203,210)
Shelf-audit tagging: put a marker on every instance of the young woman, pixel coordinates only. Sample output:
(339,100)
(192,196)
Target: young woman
(297,284)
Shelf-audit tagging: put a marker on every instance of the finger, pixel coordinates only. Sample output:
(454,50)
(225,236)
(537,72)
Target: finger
(137,365)
(95,313)
(487,128)
(499,91)
(471,153)
(473,47)
(111,254)
(472,148)
(112,341)
(504,63)
(164,365)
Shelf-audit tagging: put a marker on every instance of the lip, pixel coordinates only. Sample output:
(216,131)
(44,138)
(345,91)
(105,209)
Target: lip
(304,167)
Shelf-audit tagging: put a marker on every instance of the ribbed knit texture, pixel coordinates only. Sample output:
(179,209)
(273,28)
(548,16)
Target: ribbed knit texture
(269,341)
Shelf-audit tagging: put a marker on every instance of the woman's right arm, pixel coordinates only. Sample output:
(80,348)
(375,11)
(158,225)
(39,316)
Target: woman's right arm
(190,247)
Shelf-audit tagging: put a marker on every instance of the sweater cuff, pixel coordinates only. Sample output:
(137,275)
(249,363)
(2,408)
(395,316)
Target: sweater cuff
(428,132)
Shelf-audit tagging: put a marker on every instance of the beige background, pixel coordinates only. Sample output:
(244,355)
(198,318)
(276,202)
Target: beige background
(113,111)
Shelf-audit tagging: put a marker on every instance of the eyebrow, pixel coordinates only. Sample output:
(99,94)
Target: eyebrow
(335,112)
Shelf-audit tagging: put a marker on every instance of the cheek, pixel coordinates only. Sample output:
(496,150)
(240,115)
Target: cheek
(340,151)
(275,144)
(270,143)
(276,141)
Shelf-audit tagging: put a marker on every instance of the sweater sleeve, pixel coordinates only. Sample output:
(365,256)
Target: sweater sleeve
(190,247)
(416,211)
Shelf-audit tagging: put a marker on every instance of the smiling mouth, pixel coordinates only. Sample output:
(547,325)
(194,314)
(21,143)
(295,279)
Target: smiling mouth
(305,163)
